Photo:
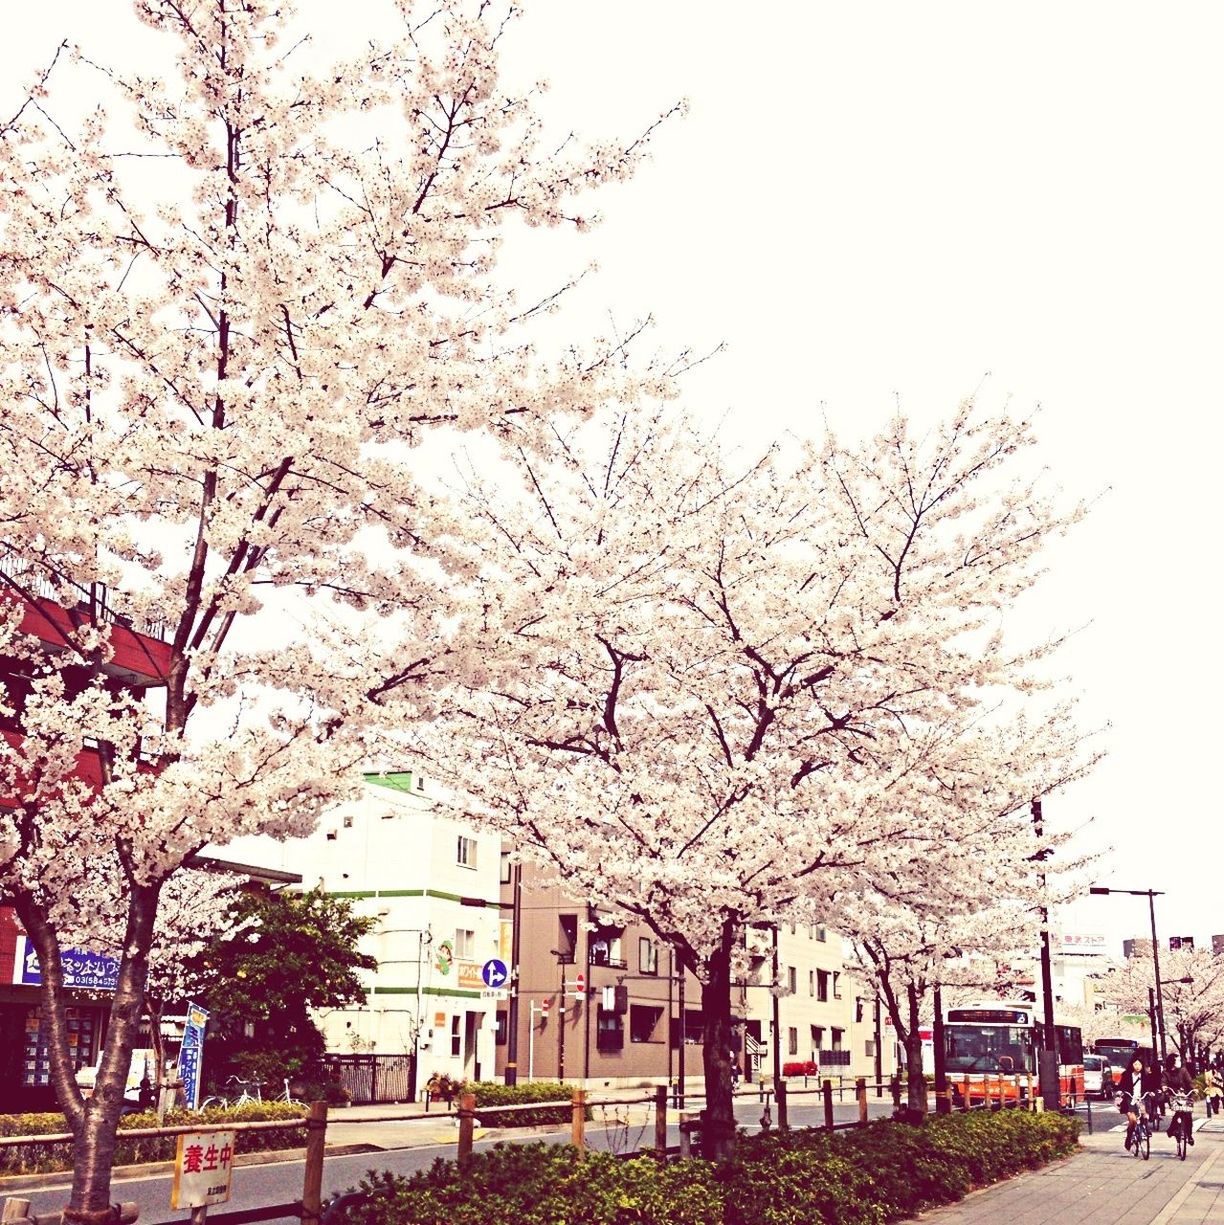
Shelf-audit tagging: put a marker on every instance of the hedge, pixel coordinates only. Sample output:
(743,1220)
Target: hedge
(42,1158)
(489,1094)
(866,1176)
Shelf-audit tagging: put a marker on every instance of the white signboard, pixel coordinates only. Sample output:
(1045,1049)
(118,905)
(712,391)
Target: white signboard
(203,1169)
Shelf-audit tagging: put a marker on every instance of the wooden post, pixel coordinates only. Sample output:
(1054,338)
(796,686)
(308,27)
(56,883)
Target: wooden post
(860,1091)
(661,1121)
(894,1085)
(467,1119)
(965,1092)
(780,1094)
(312,1182)
(1030,1091)
(578,1126)
(826,1091)
(199,1215)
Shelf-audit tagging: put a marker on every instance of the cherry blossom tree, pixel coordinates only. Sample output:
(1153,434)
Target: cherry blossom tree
(708,695)
(1193,1010)
(227,317)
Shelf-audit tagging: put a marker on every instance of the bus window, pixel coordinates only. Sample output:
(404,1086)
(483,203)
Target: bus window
(988,1048)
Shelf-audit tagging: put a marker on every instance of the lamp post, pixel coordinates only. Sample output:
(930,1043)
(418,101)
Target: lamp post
(1151,895)
(1048,1076)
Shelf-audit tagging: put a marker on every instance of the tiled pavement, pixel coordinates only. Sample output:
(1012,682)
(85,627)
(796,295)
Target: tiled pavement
(1105,1185)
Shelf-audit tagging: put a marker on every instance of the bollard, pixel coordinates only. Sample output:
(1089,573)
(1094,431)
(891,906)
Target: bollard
(826,1091)
(965,1103)
(578,1126)
(661,1122)
(780,1094)
(860,1091)
(1088,1107)
(894,1085)
(467,1119)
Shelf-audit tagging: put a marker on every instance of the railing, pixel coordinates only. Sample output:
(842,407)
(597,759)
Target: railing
(833,1059)
(94,597)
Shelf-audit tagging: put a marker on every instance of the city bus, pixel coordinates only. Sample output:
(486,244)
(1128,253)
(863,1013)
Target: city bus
(990,1054)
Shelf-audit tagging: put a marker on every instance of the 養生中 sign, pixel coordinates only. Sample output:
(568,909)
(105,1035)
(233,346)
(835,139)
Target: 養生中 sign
(203,1169)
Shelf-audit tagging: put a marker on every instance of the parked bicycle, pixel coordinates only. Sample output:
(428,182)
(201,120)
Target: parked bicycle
(239,1093)
(286,1096)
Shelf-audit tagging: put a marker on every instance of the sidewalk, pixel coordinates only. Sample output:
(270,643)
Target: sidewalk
(1105,1185)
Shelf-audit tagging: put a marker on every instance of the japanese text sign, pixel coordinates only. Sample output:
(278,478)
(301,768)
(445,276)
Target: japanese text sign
(203,1169)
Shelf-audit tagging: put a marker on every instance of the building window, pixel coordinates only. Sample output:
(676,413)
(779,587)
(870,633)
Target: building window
(821,934)
(505,867)
(499,1034)
(792,927)
(609,1032)
(648,956)
(792,1041)
(348,821)
(822,985)
(817,1041)
(465,944)
(858,1009)
(466,855)
(644,1023)
(836,1039)
(792,980)
(567,938)
(812,983)
(836,985)
(605,948)
(811,931)
(456,1038)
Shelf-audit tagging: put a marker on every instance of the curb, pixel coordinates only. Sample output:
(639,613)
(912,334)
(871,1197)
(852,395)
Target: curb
(150,1169)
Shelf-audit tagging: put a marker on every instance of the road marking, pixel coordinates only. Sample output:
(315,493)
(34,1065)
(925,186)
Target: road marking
(1166,1214)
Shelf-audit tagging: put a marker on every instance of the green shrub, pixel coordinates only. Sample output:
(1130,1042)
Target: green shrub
(42,1158)
(865,1176)
(489,1094)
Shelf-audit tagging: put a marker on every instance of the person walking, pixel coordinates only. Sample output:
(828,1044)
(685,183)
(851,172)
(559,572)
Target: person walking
(1214,1090)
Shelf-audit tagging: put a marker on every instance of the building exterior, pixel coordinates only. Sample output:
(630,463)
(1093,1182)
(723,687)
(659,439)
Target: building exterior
(639,1020)
(138,664)
(432,887)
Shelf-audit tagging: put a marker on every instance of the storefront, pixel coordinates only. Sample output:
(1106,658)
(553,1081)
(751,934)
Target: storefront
(25,1063)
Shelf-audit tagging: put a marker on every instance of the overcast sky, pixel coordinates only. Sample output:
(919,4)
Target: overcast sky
(873,203)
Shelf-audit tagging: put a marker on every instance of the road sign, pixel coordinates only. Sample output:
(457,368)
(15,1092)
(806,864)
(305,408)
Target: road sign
(203,1169)
(579,985)
(545,1006)
(491,993)
(495,973)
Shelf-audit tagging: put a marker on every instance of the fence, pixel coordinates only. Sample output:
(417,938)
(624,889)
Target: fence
(373,1078)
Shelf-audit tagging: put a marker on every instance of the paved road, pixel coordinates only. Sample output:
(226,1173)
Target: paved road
(255,1186)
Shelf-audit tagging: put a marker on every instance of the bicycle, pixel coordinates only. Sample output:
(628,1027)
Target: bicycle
(250,1092)
(1181,1104)
(1141,1137)
(286,1096)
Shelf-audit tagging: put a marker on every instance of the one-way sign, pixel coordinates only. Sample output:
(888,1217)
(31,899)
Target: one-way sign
(494,973)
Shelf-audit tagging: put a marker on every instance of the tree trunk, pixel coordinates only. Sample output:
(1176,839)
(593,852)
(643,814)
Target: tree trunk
(718,1119)
(95,1122)
(916,1085)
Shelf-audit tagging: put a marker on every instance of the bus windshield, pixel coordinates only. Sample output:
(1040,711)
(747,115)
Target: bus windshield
(1119,1051)
(988,1048)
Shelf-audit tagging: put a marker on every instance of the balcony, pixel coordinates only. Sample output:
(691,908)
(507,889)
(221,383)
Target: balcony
(833,1059)
(601,957)
(141,653)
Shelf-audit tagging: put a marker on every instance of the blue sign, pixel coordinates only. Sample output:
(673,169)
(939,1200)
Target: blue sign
(82,970)
(494,973)
(191,1054)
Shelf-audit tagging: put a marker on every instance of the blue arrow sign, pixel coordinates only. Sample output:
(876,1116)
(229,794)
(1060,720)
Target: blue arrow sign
(494,973)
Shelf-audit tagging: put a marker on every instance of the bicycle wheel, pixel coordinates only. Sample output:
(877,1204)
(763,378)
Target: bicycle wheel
(1181,1141)
(210,1102)
(1143,1144)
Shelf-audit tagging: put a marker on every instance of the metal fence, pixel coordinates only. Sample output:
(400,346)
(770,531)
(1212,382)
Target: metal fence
(374,1078)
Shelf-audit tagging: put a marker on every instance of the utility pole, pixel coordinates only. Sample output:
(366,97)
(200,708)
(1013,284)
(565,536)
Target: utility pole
(777,1045)
(1047,1066)
(879,1053)
(561,1024)
(512,1018)
(588,992)
(683,1040)
(1156,968)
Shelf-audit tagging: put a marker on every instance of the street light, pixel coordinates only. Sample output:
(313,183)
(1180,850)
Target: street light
(1151,895)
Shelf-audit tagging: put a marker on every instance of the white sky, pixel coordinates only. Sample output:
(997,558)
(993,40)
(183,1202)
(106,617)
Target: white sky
(871,201)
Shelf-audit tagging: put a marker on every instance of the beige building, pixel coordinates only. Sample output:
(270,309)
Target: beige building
(604,1004)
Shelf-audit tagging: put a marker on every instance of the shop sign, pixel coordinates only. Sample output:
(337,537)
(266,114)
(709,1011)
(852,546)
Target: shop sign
(83,971)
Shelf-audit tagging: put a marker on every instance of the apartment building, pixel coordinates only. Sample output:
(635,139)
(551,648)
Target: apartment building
(431,885)
(603,1003)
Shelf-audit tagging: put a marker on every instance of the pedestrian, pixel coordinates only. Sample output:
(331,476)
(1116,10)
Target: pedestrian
(1213,1090)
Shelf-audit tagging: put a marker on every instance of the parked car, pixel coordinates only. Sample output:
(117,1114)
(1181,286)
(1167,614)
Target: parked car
(1098,1077)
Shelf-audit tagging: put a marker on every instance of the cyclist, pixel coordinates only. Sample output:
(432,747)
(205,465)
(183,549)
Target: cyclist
(1138,1082)
(1177,1080)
